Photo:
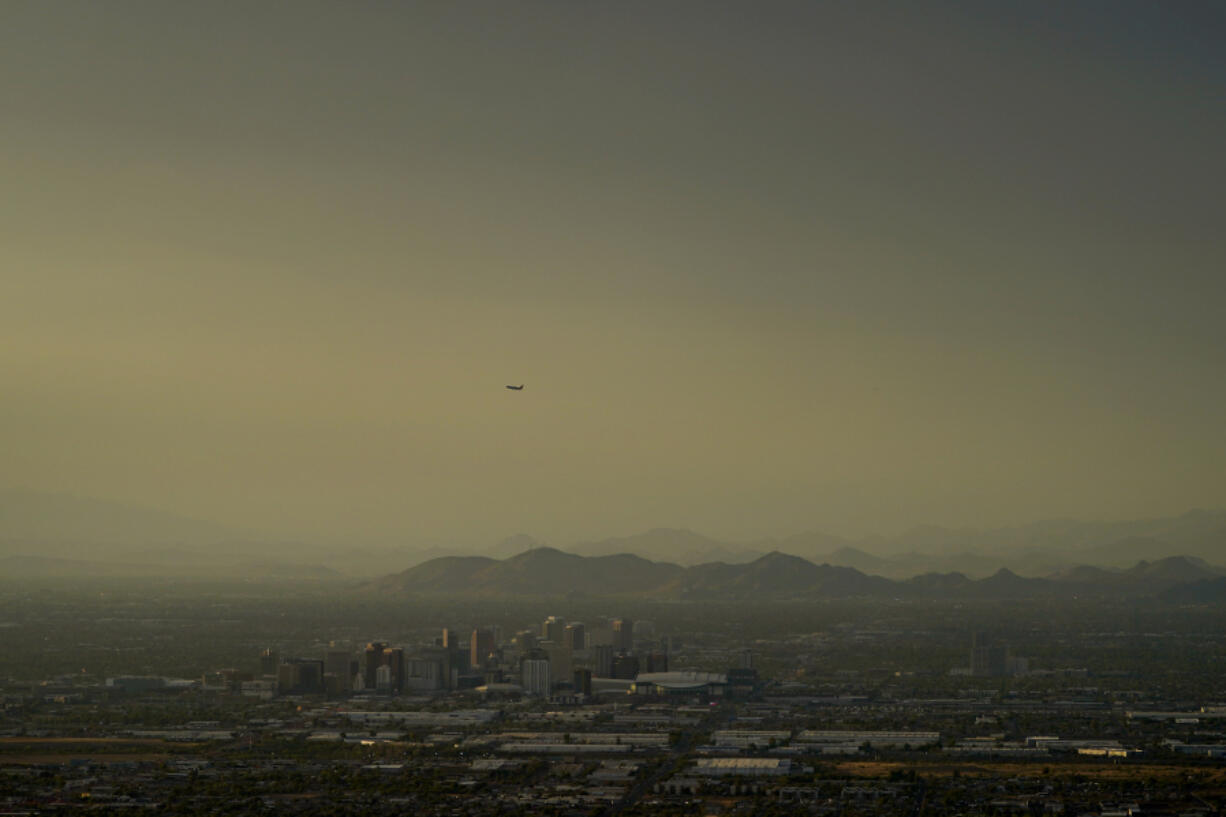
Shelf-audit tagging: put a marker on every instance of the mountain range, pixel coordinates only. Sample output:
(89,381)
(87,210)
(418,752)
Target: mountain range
(60,535)
(546,571)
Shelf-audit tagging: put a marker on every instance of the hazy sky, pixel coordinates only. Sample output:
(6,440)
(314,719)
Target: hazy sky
(763,267)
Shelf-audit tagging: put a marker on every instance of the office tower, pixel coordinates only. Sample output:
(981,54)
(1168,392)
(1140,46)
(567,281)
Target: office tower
(287,678)
(583,681)
(393,659)
(553,628)
(626,666)
(269,660)
(535,672)
(300,676)
(657,662)
(372,659)
(561,661)
(480,646)
(449,638)
(573,636)
(425,674)
(337,664)
(602,661)
(746,659)
(524,641)
(623,635)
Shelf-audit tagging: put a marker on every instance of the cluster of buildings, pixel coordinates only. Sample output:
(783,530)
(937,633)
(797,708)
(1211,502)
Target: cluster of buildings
(559,660)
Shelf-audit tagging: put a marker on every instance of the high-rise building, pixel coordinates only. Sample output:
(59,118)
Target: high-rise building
(337,663)
(623,634)
(300,676)
(393,659)
(269,660)
(626,666)
(372,658)
(434,668)
(602,661)
(583,681)
(552,629)
(525,640)
(657,662)
(424,674)
(535,672)
(573,636)
(561,660)
(480,646)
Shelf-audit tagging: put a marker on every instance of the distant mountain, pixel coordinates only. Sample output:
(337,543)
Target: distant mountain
(1085,574)
(939,585)
(83,530)
(550,572)
(1210,591)
(1144,577)
(673,544)
(1169,572)
(514,544)
(1005,584)
(778,574)
(848,556)
(807,544)
(1031,550)
(542,571)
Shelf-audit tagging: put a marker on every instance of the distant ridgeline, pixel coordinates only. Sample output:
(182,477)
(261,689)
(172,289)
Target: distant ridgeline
(547,571)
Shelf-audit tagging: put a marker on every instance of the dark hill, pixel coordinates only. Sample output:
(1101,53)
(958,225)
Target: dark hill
(541,571)
(446,574)
(1005,584)
(779,575)
(1212,591)
(1168,572)
(547,571)
(938,585)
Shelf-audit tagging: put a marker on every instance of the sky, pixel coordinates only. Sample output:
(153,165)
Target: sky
(762,267)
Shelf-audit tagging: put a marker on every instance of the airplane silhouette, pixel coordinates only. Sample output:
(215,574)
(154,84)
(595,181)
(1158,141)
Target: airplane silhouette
(520,387)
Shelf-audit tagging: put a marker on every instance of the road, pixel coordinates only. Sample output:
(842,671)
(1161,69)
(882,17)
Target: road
(717,718)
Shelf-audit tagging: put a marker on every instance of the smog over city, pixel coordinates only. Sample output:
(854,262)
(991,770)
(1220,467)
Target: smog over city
(613,408)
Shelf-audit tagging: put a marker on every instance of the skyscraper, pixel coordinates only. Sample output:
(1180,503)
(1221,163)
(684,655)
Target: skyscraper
(337,663)
(536,676)
(626,666)
(269,661)
(602,661)
(623,634)
(480,646)
(393,659)
(372,658)
(560,660)
(552,629)
(573,636)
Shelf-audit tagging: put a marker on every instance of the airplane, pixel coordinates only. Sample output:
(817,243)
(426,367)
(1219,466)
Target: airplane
(520,387)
